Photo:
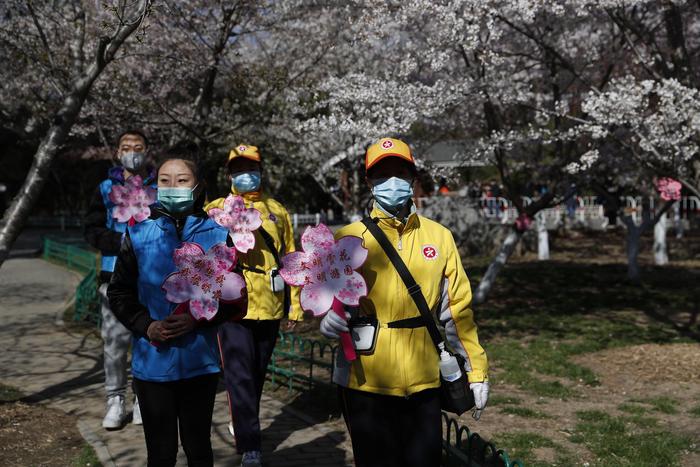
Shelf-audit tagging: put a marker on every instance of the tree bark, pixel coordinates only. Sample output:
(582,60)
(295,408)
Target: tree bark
(660,249)
(17,213)
(506,250)
(634,233)
(542,238)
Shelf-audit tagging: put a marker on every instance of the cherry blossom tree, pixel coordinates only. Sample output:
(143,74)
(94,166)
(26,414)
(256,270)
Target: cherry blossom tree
(62,64)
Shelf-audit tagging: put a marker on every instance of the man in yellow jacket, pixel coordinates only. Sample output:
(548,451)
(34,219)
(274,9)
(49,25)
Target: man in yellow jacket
(390,395)
(246,346)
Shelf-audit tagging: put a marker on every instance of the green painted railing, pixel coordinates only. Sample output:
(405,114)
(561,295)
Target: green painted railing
(76,255)
(299,363)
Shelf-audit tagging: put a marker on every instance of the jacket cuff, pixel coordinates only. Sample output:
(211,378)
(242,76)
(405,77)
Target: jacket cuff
(142,322)
(477,376)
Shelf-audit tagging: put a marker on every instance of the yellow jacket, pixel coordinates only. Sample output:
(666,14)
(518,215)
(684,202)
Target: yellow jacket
(263,303)
(405,361)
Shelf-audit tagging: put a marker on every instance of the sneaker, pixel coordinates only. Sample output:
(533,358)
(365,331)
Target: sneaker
(116,413)
(251,459)
(136,414)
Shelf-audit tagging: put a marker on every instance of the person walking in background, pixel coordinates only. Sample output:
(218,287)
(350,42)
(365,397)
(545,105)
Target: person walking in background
(246,346)
(105,233)
(390,395)
(175,359)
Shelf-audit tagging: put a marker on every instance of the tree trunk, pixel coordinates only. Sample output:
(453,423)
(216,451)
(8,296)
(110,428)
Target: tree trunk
(16,215)
(634,234)
(542,238)
(633,238)
(506,250)
(660,250)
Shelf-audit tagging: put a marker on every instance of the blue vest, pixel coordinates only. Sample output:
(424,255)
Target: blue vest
(195,353)
(115,176)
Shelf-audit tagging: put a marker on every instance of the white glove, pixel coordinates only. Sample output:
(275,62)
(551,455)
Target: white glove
(332,324)
(481,397)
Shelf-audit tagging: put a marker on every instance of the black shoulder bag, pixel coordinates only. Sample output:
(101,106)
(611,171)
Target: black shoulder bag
(455,396)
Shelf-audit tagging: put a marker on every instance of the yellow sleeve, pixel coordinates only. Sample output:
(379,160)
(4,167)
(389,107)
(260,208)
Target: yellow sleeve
(457,317)
(295,312)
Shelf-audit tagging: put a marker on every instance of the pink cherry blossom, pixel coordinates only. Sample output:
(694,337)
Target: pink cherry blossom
(669,189)
(132,200)
(239,220)
(326,269)
(204,280)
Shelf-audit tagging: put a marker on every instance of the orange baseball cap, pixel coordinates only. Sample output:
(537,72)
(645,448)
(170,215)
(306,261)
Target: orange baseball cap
(244,150)
(388,147)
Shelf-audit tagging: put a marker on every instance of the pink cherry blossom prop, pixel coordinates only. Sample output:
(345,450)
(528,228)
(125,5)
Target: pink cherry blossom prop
(239,220)
(669,189)
(325,270)
(204,280)
(132,200)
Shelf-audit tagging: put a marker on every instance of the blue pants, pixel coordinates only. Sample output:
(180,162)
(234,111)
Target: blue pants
(246,348)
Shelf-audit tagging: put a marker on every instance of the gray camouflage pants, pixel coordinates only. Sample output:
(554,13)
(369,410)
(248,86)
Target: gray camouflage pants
(116,344)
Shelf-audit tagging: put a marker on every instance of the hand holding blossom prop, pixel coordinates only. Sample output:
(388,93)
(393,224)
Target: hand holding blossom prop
(203,280)
(325,271)
(132,200)
(239,220)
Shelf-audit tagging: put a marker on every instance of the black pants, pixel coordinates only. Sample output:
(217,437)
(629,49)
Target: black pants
(393,431)
(188,403)
(246,348)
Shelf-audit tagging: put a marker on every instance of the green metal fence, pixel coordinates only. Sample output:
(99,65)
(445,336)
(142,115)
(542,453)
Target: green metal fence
(299,363)
(75,255)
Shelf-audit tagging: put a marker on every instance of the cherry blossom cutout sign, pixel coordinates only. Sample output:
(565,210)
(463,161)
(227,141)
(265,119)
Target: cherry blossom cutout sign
(326,272)
(669,189)
(239,220)
(203,279)
(132,200)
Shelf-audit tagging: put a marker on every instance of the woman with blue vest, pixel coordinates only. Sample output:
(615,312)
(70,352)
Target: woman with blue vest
(175,361)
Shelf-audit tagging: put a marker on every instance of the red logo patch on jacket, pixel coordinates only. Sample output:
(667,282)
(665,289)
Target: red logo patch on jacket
(430,252)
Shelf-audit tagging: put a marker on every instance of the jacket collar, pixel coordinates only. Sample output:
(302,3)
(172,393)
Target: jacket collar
(116,174)
(251,196)
(387,221)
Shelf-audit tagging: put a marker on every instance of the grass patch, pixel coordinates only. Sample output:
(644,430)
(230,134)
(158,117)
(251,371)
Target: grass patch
(9,394)
(503,400)
(665,405)
(695,411)
(632,408)
(616,442)
(522,445)
(87,458)
(524,412)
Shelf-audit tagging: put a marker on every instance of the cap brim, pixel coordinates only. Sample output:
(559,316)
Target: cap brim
(389,154)
(246,156)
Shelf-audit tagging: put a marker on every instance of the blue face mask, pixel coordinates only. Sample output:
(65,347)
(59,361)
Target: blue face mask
(176,200)
(392,193)
(245,182)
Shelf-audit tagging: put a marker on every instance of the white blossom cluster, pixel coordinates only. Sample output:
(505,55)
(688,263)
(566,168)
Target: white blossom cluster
(663,118)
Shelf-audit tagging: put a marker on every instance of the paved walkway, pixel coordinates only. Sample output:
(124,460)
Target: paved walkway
(61,368)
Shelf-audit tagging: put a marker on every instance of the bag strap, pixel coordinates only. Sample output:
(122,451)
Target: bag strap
(269,241)
(414,289)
